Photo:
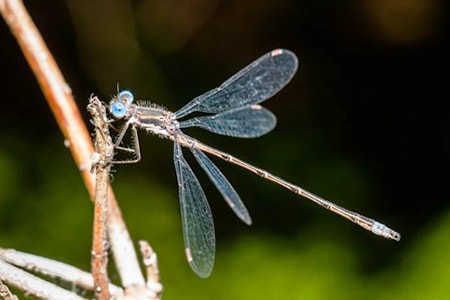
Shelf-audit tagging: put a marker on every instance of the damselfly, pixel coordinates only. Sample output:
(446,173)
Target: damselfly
(231,109)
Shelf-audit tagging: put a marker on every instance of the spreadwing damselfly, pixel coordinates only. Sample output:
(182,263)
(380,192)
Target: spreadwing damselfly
(233,110)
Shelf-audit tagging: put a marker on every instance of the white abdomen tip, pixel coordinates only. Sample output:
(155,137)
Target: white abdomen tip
(384,231)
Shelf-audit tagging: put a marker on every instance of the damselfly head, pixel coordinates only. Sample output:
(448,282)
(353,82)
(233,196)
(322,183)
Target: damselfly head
(118,106)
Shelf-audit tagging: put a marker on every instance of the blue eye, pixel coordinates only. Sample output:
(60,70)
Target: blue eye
(126,97)
(118,110)
(120,104)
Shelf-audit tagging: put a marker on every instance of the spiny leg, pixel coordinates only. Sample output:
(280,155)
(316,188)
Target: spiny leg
(135,149)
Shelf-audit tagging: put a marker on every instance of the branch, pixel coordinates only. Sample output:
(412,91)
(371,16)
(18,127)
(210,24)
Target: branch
(59,97)
(53,269)
(104,154)
(34,285)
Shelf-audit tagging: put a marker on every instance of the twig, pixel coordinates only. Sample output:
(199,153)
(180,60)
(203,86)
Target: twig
(53,269)
(5,293)
(104,154)
(59,97)
(151,263)
(34,285)
(55,88)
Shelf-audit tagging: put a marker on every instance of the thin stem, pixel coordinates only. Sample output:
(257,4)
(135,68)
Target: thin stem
(105,152)
(151,265)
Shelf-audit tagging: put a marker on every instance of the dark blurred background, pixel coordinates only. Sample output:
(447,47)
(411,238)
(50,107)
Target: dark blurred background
(364,124)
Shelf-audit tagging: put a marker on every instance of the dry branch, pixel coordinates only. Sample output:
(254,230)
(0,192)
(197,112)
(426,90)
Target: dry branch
(104,154)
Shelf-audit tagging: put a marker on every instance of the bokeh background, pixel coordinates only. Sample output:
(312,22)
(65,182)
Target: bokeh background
(364,124)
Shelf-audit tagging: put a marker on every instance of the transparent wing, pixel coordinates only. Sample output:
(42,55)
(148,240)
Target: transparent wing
(247,122)
(198,226)
(255,83)
(223,185)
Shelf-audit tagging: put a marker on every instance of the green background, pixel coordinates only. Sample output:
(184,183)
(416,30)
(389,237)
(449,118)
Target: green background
(364,124)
